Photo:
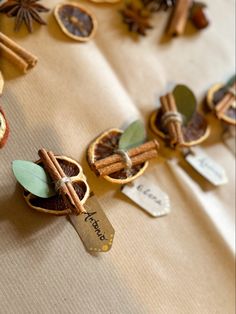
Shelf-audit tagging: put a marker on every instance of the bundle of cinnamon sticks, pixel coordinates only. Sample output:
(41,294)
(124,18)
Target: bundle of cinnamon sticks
(115,162)
(174,126)
(226,102)
(56,173)
(15,54)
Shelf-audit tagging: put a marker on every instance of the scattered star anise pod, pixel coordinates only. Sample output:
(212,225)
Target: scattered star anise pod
(158,5)
(24,11)
(136,18)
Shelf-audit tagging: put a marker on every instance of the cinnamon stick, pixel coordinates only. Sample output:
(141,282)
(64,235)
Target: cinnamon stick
(178,18)
(174,127)
(56,173)
(136,160)
(225,103)
(131,153)
(20,57)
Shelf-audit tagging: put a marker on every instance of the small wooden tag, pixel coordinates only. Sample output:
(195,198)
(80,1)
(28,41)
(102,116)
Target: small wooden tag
(93,227)
(207,167)
(148,196)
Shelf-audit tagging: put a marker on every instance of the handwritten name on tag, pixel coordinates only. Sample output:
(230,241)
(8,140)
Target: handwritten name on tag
(207,167)
(93,227)
(148,196)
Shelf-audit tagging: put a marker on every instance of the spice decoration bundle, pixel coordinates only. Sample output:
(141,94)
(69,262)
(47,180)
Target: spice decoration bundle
(56,185)
(180,124)
(122,157)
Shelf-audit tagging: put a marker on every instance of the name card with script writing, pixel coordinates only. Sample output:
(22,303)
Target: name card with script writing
(207,167)
(148,196)
(93,227)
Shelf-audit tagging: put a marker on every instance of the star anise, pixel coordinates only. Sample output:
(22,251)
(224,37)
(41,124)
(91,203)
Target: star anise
(136,18)
(24,11)
(158,5)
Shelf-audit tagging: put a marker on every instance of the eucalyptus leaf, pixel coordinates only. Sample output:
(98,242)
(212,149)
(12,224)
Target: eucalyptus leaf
(133,136)
(185,101)
(33,178)
(231,81)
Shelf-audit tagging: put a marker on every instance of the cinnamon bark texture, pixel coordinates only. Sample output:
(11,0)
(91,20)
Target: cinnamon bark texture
(137,155)
(178,18)
(17,55)
(226,102)
(174,125)
(57,174)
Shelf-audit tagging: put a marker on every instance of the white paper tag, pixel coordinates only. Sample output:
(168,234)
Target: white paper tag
(207,167)
(148,196)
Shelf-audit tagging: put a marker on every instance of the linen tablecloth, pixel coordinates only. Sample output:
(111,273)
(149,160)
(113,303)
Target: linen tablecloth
(180,263)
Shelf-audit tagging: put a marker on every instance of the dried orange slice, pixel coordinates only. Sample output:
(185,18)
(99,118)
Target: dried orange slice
(106,145)
(4,129)
(55,205)
(214,96)
(195,132)
(76,21)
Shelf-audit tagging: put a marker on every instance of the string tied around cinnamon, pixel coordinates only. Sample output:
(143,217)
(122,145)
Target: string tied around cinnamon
(61,182)
(172,119)
(171,116)
(126,159)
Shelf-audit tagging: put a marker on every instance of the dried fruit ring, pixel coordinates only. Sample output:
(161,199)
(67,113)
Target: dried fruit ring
(55,205)
(194,133)
(178,121)
(106,145)
(4,129)
(221,99)
(76,21)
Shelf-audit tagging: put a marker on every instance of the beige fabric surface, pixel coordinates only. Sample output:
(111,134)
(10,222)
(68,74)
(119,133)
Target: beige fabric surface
(181,263)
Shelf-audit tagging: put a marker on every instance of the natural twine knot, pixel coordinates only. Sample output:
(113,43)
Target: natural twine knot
(61,182)
(127,160)
(171,116)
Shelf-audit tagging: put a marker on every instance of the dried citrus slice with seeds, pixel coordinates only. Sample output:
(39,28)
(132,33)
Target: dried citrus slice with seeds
(194,133)
(76,21)
(55,205)
(106,145)
(4,129)
(214,96)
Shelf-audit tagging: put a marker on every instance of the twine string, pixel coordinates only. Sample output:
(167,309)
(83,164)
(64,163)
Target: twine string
(127,161)
(61,182)
(171,116)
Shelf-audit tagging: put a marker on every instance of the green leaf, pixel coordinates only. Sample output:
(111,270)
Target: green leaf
(231,81)
(185,101)
(33,178)
(133,136)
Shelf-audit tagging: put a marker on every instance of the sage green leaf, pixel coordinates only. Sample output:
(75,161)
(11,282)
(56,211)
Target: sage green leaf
(133,136)
(33,178)
(185,101)
(231,81)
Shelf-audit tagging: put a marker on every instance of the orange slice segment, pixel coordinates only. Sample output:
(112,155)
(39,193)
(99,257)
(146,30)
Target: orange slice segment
(76,21)
(106,145)
(195,132)
(55,205)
